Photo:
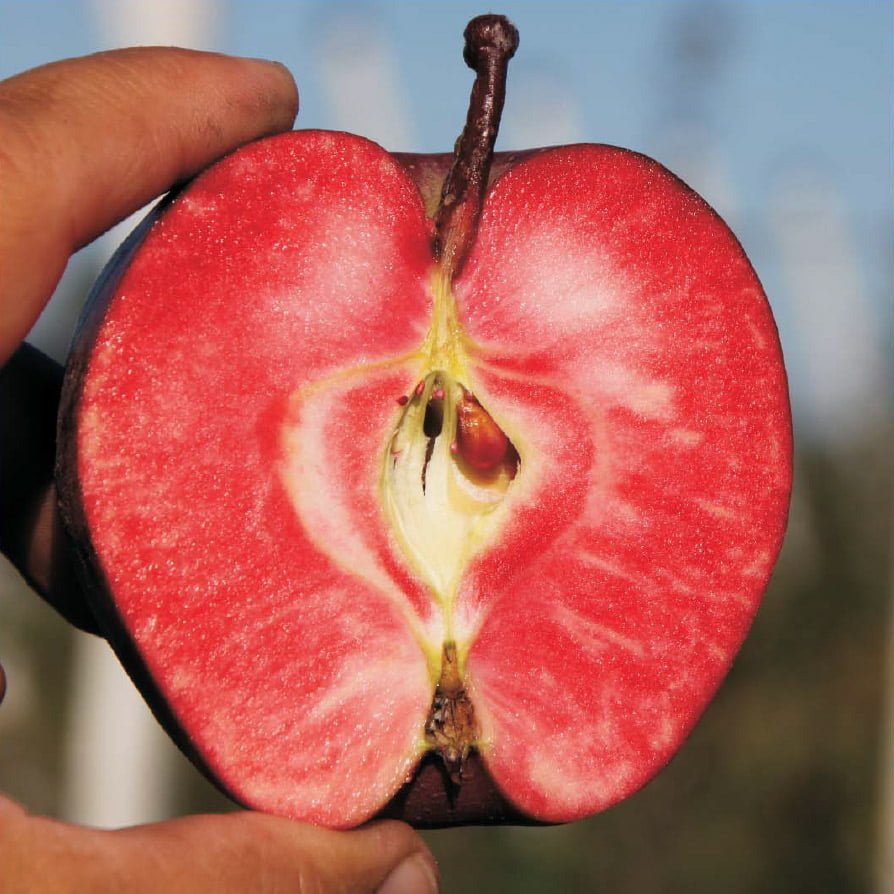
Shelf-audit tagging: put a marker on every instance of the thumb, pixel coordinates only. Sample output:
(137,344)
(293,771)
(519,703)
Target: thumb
(239,852)
(256,852)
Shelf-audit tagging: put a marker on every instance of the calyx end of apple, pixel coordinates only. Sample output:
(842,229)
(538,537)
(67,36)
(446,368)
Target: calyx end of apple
(451,729)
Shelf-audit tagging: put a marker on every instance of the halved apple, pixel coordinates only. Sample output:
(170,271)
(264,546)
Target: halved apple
(457,541)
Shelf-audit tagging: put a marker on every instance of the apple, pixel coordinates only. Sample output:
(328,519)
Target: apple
(436,487)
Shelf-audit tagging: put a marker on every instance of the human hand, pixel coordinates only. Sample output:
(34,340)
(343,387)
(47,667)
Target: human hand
(239,852)
(84,143)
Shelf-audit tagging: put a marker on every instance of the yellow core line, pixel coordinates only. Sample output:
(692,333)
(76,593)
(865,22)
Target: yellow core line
(443,346)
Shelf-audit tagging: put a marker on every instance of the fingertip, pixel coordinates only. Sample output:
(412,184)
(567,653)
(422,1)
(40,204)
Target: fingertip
(276,88)
(416,874)
(411,866)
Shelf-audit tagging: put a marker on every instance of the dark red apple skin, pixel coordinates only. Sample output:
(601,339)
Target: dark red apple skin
(429,800)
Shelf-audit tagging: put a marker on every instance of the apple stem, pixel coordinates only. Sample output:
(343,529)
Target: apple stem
(491,41)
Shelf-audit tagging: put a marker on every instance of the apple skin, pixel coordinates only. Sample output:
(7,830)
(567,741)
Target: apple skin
(226,408)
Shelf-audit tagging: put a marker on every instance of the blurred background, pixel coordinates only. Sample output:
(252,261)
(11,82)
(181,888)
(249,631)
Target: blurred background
(779,113)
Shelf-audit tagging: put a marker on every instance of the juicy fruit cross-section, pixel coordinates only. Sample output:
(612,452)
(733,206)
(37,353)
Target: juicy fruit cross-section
(454,540)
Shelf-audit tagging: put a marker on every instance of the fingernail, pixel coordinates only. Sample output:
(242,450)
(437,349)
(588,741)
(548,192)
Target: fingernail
(281,67)
(416,875)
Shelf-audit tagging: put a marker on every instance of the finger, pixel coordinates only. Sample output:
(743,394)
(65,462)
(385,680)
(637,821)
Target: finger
(85,142)
(253,851)
(240,852)
(30,532)
(2,683)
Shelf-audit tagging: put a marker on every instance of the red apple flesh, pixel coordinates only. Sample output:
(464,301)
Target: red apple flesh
(244,486)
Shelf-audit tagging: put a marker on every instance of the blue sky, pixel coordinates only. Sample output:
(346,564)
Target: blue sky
(800,78)
(775,111)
